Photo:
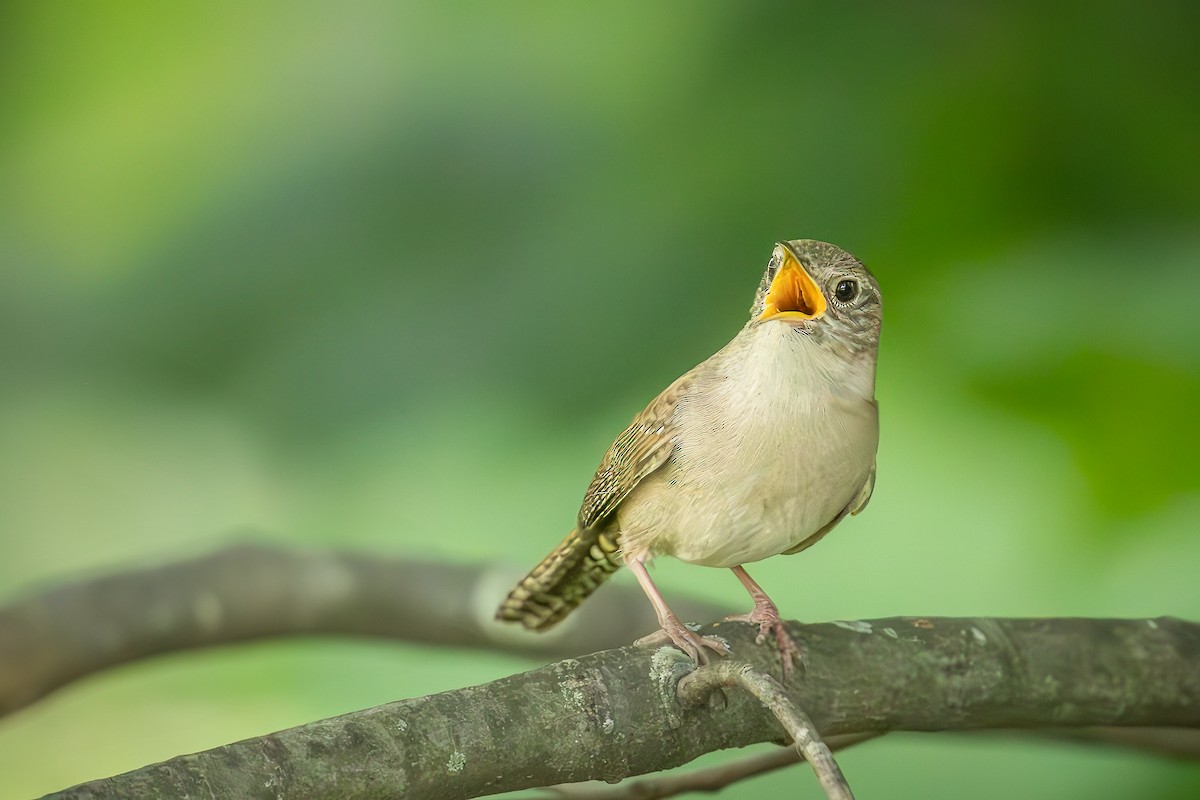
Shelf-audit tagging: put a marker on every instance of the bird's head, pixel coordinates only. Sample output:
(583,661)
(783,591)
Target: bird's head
(823,292)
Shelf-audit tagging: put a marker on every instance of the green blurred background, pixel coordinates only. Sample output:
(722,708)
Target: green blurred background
(391,277)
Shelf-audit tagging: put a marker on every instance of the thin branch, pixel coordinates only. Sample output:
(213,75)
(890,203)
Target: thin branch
(700,684)
(1181,743)
(615,714)
(709,779)
(249,592)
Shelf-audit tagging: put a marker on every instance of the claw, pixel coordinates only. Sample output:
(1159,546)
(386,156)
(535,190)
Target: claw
(679,634)
(790,653)
(686,640)
(766,615)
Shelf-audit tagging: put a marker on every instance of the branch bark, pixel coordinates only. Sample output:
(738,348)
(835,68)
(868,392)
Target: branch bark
(249,592)
(614,714)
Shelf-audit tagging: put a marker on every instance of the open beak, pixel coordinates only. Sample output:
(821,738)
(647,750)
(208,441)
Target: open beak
(793,293)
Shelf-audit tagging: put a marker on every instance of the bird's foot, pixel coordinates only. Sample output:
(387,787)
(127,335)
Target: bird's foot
(675,632)
(766,616)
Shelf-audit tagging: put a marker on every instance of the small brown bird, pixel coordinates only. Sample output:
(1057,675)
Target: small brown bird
(760,450)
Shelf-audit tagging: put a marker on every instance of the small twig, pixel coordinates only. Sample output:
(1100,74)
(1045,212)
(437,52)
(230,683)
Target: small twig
(699,684)
(1181,743)
(709,779)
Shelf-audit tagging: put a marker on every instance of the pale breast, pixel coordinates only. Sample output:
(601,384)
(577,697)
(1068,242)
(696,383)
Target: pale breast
(767,452)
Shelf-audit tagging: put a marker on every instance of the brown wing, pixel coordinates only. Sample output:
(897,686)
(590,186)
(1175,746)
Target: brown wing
(640,449)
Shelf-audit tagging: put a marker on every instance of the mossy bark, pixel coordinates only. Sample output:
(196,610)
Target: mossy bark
(614,714)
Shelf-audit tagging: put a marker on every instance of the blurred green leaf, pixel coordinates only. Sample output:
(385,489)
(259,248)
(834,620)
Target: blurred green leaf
(1131,425)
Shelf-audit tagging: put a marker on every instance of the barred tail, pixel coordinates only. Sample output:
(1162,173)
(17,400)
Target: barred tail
(563,580)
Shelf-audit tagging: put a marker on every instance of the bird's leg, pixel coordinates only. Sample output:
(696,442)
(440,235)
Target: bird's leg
(766,614)
(686,640)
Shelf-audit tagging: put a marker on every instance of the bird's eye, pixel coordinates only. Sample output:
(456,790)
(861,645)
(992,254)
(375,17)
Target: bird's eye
(846,290)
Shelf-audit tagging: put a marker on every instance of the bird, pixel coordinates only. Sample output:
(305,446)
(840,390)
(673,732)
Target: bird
(758,451)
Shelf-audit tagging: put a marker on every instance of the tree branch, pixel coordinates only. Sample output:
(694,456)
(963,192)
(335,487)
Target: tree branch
(614,714)
(247,592)
(698,685)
